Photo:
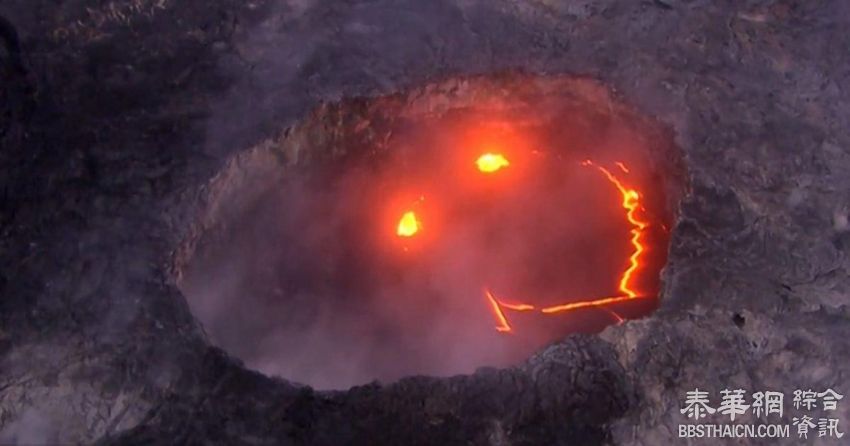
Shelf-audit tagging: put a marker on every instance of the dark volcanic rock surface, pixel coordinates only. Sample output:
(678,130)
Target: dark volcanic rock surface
(116,116)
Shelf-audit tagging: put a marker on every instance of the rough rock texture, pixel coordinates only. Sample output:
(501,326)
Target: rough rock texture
(115,117)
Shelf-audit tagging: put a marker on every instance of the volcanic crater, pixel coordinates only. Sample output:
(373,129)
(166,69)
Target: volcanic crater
(298,268)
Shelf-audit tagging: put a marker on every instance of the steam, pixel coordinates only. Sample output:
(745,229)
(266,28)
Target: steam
(32,427)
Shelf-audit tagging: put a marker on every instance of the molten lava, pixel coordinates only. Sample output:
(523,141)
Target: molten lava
(409,225)
(491,162)
(631,203)
(496,306)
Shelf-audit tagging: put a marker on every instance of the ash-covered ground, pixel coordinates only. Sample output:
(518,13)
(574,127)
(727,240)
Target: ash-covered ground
(115,116)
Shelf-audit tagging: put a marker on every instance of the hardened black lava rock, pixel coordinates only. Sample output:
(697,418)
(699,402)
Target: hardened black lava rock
(124,110)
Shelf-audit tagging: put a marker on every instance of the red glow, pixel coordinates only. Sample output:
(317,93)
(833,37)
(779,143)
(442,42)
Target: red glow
(411,223)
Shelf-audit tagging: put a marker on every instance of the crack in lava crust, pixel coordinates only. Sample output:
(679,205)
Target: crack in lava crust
(631,203)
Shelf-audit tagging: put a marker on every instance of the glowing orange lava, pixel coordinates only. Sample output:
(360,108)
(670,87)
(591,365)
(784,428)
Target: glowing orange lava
(491,162)
(631,203)
(622,167)
(516,307)
(501,320)
(598,302)
(408,226)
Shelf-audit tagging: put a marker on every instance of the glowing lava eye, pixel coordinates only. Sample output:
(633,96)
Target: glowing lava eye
(491,162)
(408,226)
